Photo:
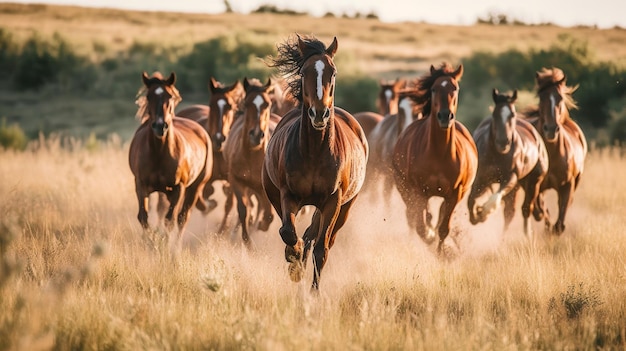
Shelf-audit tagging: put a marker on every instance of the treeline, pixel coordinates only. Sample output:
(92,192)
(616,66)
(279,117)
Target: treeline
(38,64)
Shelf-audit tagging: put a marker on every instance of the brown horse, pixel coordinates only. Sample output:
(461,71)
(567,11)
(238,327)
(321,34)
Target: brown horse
(317,155)
(217,118)
(168,154)
(564,140)
(282,101)
(382,142)
(512,154)
(387,104)
(245,152)
(436,155)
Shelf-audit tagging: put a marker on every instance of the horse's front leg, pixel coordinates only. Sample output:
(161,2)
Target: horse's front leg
(142,200)
(495,200)
(565,193)
(294,245)
(328,220)
(479,187)
(175,197)
(445,215)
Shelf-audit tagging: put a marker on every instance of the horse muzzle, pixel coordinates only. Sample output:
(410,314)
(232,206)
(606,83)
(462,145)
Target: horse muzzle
(256,136)
(550,133)
(218,141)
(159,128)
(503,147)
(445,117)
(319,122)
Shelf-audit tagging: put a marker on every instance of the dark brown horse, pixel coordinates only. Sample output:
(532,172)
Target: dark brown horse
(435,156)
(168,154)
(245,151)
(317,155)
(382,142)
(511,154)
(387,103)
(564,140)
(217,118)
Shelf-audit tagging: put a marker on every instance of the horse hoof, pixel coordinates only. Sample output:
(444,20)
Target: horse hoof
(212,204)
(295,271)
(294,253)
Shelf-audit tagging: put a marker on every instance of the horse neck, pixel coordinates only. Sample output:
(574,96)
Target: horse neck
(312,140)
(441,141)
(165,144)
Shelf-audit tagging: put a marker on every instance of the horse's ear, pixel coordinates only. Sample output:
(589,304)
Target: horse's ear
(145,78)
(246,83)
(236,86)
(458,73)
(171,79)
(432,69)
(212,84)
(514,97)
(332,49)
(400,84)
(301,44)
(494,94)
(269,87)
(562,81)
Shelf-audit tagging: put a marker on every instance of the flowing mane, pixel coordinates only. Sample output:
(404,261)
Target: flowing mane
(142,102)
(548,77)
(421,87)
(290,60)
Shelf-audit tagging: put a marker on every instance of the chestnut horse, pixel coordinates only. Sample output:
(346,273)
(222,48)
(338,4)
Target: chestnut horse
(564,140)
(435,156)
(387,104)
(168,154)
(245,152)
(217,118)
(382,142)
(512,154)
(317,155)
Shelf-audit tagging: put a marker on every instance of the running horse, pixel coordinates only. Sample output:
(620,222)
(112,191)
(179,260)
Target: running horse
(317,155)
(512,154)
(382,142)
(217,118)
(435,155)
(245,151)
(564,140)
(387,104)
(168,154)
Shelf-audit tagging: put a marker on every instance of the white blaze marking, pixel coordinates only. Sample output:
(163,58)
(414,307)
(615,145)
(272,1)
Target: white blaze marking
(258,100)
(405,105)
(444,83)
(319,67)
(158,91)
(552,102)
(505,114)
(221,103)
(388,94)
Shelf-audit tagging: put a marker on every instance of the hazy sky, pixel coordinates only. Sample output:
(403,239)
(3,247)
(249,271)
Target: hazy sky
(604,13)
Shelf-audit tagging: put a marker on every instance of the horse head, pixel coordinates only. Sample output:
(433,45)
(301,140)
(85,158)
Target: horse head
(318,83)
(161,100)
(223,105)
(554,101)
(445,94)
(503,120)
(389,95)
(257,106)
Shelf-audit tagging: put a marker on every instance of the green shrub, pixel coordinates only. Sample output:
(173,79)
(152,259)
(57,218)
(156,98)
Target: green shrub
(12,137)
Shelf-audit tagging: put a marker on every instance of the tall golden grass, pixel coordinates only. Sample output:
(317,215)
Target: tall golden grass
(78,273)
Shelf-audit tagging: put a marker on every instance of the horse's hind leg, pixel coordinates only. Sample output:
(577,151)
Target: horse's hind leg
(228,206)
(142,200)
(243,201)
(162,206)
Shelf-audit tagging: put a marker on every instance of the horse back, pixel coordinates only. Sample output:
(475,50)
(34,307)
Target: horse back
(368,121)
(195,112)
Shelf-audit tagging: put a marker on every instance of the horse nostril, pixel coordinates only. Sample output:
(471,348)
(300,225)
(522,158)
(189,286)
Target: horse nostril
(451,116)
(311,112)
(326,112)
(556,130)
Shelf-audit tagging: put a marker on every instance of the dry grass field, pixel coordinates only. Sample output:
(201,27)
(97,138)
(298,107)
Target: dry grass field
(78,273)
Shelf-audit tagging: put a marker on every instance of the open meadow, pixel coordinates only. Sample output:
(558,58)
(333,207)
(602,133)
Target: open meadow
(78,273)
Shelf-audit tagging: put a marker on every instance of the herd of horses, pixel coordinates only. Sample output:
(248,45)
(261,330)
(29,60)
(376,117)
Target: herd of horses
(286,145)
